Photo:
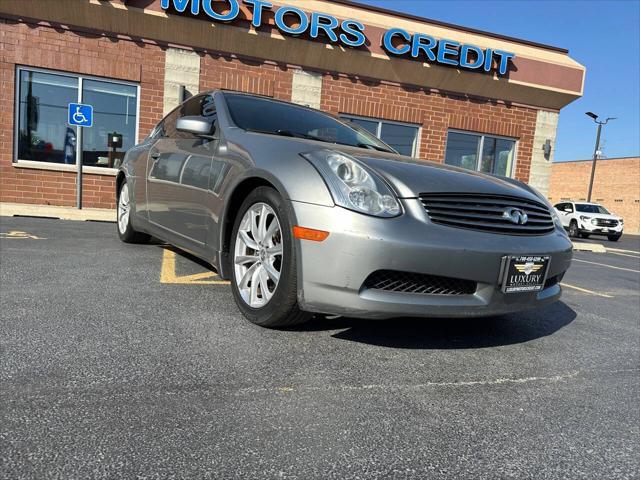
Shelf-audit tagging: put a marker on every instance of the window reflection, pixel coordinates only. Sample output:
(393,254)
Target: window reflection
(43,133)
(114,110)
(370,126)
(462,150)
(196,172)
(403,138)
(168,167)
(400,137)
(496,157)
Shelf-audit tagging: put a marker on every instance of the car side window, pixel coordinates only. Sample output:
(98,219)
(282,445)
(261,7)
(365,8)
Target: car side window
(198,106)
(169,124)
(157,131)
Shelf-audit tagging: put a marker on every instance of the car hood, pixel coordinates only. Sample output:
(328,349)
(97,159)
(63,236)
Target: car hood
(411,177)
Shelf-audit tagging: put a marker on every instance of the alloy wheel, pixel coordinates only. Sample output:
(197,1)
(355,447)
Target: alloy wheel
(258,255)
(123,209)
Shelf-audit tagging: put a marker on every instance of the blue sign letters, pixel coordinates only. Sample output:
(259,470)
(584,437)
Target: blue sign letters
(80,115)
(396,41)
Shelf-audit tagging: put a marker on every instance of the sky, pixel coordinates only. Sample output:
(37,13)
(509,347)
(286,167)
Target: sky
(604,36)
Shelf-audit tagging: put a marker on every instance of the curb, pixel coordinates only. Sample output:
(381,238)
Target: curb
(589,247)
(56,212)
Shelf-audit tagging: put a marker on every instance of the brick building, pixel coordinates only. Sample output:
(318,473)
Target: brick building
(432,90)
(616,186)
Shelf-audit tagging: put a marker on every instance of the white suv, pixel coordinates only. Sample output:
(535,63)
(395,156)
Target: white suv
(584,219)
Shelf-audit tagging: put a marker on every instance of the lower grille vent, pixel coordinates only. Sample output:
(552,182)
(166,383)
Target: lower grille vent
(407,282)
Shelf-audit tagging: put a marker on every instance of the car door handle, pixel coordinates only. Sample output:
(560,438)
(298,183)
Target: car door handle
(155,155)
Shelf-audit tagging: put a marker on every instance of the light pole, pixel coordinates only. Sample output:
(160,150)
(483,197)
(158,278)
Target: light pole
(595,151)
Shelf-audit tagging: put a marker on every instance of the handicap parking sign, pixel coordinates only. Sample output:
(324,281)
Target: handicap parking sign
(80,115)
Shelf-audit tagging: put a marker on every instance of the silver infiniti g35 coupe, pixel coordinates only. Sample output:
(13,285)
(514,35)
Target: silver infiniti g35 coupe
(304,212)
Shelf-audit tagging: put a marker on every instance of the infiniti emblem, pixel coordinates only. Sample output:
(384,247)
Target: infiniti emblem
(515,215)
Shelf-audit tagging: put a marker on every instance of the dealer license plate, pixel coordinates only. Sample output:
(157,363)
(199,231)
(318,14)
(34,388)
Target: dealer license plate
(525,273)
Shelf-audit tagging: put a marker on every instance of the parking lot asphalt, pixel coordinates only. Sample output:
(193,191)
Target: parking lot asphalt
(133,361)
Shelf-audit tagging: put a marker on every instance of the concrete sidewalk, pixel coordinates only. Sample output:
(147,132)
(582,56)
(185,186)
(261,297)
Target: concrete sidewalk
(53,211)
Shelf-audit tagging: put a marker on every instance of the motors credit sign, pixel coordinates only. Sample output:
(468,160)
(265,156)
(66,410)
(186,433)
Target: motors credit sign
(397,42)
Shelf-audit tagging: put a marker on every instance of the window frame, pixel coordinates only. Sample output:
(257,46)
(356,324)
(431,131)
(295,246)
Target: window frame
(17,162)
(380,121)
(481,148)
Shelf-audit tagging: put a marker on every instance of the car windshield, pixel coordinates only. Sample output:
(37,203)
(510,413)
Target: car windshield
(263,115)
(589,208)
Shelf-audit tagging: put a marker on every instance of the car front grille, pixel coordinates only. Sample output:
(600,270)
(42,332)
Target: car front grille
(487,213)
(407,282)
(605,222)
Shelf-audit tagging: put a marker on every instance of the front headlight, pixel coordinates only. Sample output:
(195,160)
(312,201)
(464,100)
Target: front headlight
(594,221)
(621,221)
(353,185)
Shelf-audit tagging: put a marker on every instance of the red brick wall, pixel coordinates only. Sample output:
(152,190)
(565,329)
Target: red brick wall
(436,112)
(616,186)
(75,52)
(249,76)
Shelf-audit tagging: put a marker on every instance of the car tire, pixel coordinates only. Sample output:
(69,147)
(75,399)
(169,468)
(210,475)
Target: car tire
(573,229)
(614,238)
(126,231)
(278,308)
(584,235)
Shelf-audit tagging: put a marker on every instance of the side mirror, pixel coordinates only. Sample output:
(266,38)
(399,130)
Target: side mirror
(199,126)
(568,210)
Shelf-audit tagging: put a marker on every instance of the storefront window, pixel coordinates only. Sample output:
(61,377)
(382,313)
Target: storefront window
(480,152)
(114,110)
(43,133)
(402,137)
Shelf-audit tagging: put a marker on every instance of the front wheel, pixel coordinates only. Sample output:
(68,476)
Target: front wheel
(573,229)
(125,230)
(614,238)
(264,280)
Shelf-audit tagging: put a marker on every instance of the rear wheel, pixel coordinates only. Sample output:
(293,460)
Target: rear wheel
(125,230)
(573,229)
(264,280)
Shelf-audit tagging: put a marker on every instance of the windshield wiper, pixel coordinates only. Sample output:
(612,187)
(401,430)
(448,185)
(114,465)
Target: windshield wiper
(374,147)
(289,133)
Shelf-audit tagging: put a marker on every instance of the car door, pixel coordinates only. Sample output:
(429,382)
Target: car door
(178,173)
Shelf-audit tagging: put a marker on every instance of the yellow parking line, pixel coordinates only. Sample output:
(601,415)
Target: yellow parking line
(168,273)
(605,265)
(19,234)
(584,290)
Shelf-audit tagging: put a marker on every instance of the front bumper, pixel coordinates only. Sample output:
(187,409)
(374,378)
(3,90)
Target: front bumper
(331,273)
(588,227)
